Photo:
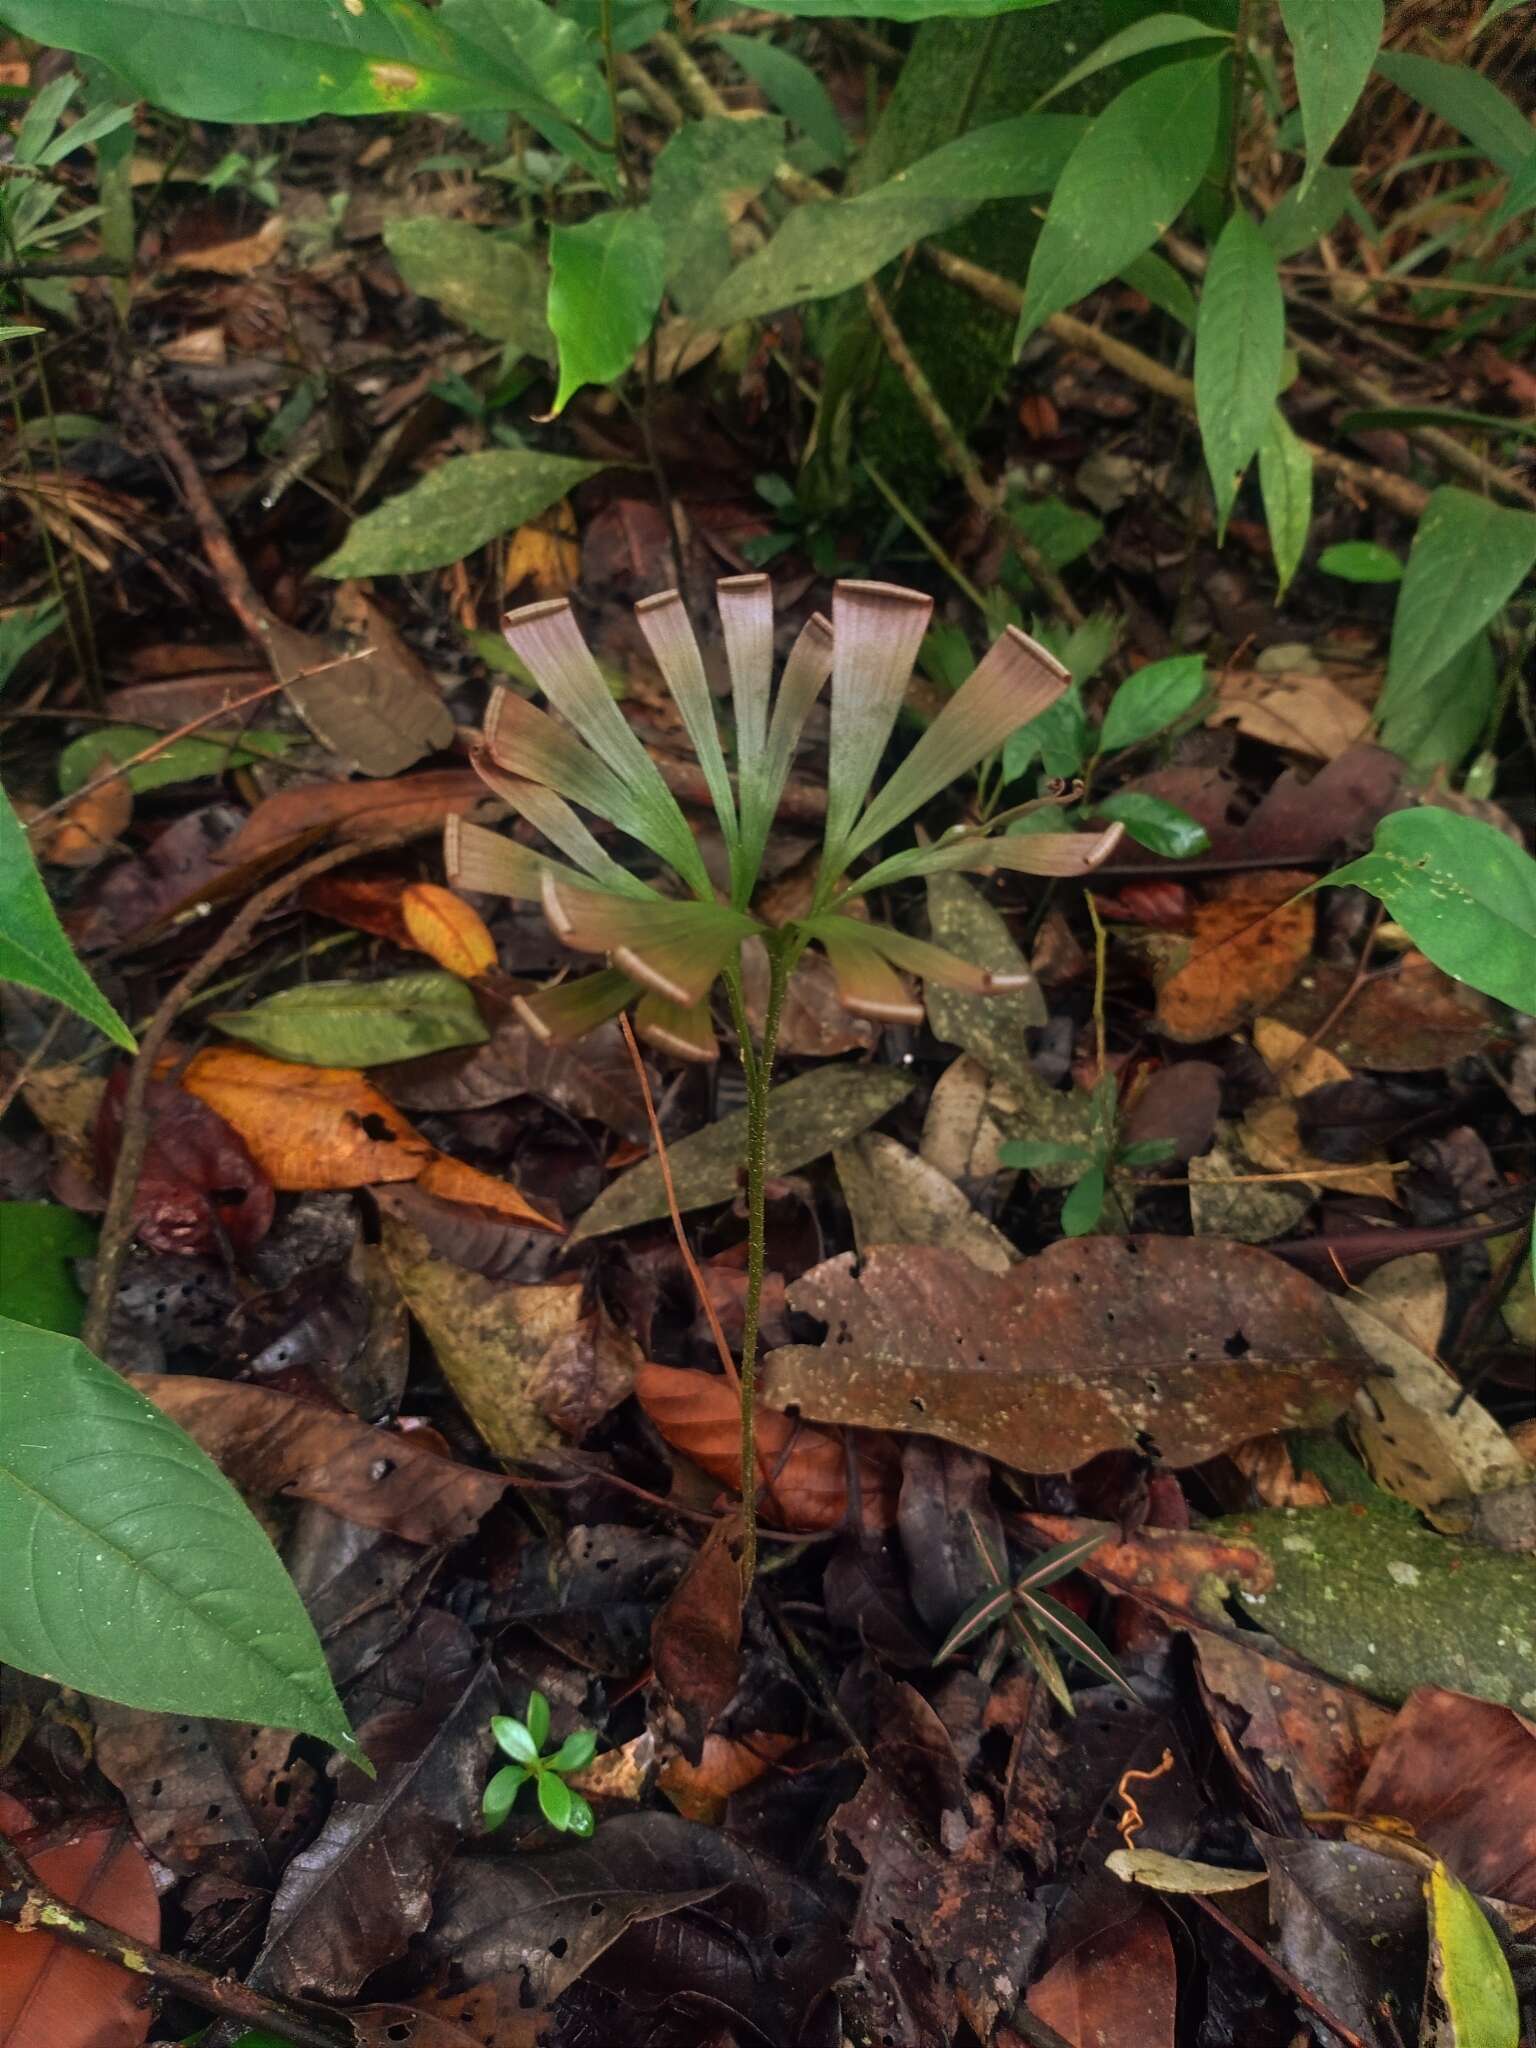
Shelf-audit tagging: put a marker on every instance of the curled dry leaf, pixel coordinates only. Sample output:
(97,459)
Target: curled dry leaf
(273,1443)
(198,1181)
(1097,1344)
(56,1996)
(307,1127)
(1270,1718)
(356,810)
(700,1791)
(807,1469)
(1242,951)
(1271,1128)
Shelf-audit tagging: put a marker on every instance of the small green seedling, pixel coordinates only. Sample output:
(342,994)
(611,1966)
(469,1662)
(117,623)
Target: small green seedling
(1025,1615)
(1100,1156)
(522,1741)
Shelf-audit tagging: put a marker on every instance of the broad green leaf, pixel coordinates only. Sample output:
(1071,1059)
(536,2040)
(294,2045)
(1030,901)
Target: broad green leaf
(37,1242)
(134,1568)
(501,1793)
(824,249)
(701,178)
(186,760)
(1469,557)
(23,629)
(536,1720)
(1438,727)
(528,36)
(1157,280)
(1470,102)
(1152,699)
(1152,32)
(1361,561)
(1061,532)
(1464,894)
(1154,823)
(514,1738)
(284,60)
(1239,355)
(903,10)
(487,284)
(1371,417)
(1378,1601)
(1470,2000)
(554,1799)
(1334,44)
(1129,178)
(456,508)
(605,286)
(793,87)
(806,1117)
(1285,484)
(1082,1209)
(1308,211)
(575,1753)
(360,1023)
(33,948)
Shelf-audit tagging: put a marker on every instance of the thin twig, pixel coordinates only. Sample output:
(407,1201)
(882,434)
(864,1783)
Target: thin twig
(29,1906)
(1280,1973)
(117,1223)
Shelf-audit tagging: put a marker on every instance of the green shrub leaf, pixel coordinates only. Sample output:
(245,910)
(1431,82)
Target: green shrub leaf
(1470,102)
(1129,178)
(185,760)
(1464,894)
(1361,561)
(793,87)
(33,948)
(1151,699)
(1469,557)
(456,508)
(1285,484)
(1239,355)
(135,1569)
(606,281)
(491,285)
(1334,43)
(37,1285)
(1156,824)
(360,1023)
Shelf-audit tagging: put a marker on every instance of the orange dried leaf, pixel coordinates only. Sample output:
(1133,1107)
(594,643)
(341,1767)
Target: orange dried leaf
(442,925)
(1120,1985)
(452,1181)
(1242,952)
(308,1127)
(804,1482)
(699,1791)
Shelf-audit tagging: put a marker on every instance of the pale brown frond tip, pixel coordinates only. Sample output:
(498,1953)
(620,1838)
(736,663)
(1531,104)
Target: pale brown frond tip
(656,600)
(530,614)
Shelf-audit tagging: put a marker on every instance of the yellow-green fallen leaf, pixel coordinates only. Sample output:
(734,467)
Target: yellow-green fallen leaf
(1469,2001)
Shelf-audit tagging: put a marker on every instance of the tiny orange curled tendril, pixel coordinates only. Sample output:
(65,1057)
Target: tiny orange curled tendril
(1131,1822)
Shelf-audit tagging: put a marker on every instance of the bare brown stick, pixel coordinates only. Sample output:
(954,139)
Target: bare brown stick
(30,1907)
(117,1223)
(982,495)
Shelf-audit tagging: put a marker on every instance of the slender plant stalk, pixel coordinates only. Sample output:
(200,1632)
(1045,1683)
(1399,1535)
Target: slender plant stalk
(757,1066)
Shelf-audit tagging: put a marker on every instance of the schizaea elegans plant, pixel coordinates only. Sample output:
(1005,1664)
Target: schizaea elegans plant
(668,936)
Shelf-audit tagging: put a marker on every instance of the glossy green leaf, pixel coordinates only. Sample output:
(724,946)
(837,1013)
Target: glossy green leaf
(553,49)
(29,624)
(1151,700)
(824,249)
(1156,824)
(903,10)
(790,84)
(1361,561)
(536,1720)
(483,281)
(1440,725)
(554,1799)
(514,1738)
(1464,894)
(1285,485)
(605,286)
(579,1819)
(187,760)
(1469,557)
(1084,1206)
(806,1117)
(1129,178)
(1239,355)
(575,1753)
(1461,95)
(1152,32)
(500,1795)
(284,60)
(456,508)
(38,1240)
(134,1569)
(1308,211)
(1470,2000)
(1333,45)
(360,1023)
(33,949)
(704,172)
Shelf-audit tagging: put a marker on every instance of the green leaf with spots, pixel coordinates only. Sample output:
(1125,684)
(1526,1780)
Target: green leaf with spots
(1463,892)
(606,281)
(702,177)
(360,1023)
(134,1568)
(489,284)
(33,949)
(456,508)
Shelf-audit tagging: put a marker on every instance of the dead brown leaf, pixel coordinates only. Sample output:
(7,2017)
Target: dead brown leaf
(805,1470)
(1271,1127)
(1271,1718)
(237,257)
(307,1127)
(1181,1574)
(1303,712)
(1118,1986)
(1098,1343)
(1243,950)
(450,1180)
(700,1791)
(355,810)
(696,1637)
(276,1444)
(1411,1020)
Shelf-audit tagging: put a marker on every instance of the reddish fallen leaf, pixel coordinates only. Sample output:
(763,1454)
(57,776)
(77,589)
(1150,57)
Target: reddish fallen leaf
(368,903)
(53,1995)
(450,1180)
(308,1127)
(696,1637)
(273,1443)
(357,810)
(1120,1986)
(1271,1719)
(1097,1344)
(1166,905)
(1462,1773)
(403,2026)
(1243,949)
(699,1791)
(806,1482)
(1179,1573)
(1411,1020)
(198,1181)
